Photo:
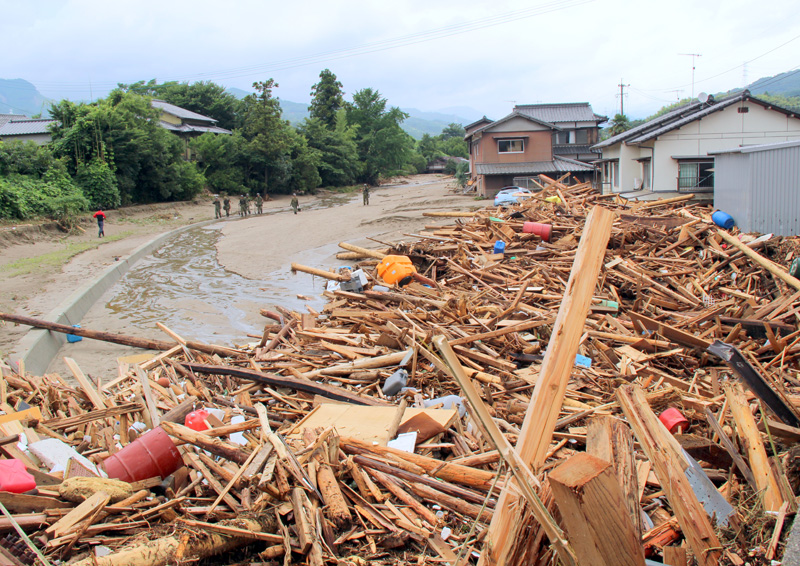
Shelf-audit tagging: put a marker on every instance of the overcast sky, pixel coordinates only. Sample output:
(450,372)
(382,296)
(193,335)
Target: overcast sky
(425,54)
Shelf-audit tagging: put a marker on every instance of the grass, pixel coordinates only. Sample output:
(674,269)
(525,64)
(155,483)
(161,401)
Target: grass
(57,258)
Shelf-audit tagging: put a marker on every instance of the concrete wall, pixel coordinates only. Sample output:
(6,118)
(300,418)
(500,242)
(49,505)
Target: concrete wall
(38,139)
(38,348)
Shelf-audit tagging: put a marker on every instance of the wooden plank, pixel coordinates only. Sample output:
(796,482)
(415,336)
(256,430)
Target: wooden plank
(88,388)
(586,491)
(81,512)
(548,394)
(754,447)
(670,332)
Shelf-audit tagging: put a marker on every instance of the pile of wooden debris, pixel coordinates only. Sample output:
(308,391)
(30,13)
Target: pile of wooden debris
(506,410)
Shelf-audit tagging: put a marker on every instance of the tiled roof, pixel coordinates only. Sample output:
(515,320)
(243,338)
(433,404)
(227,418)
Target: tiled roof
(7,117)
(557,165)
(555,113)
(193,128)
(682,116)
(573,149)
(511,116)
(26,127)
(181,113)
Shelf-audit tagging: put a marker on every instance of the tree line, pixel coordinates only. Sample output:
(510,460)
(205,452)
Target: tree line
(113,151)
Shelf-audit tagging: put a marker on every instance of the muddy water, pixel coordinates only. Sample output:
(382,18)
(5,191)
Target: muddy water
(183,286)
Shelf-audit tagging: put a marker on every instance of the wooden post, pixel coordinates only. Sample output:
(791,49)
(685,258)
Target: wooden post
(612,441)
(548,395)
(665,454)
(756,453)
(760,260)
(320,272)
(589,498)
(362,251)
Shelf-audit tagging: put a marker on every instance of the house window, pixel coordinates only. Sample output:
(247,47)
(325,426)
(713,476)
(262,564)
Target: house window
(510,146)
(695,176)
(611,174)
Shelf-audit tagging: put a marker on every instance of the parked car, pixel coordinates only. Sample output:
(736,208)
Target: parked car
(510,195)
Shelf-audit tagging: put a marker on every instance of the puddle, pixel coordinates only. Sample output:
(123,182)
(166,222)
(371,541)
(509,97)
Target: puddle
(182,286)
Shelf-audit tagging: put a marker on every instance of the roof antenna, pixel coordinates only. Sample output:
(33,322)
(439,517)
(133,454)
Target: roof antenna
(694,57)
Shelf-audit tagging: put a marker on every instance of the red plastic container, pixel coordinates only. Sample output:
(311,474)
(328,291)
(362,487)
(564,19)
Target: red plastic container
(14,477)
(673,420)
(542,230)
(196,420)
(153,454)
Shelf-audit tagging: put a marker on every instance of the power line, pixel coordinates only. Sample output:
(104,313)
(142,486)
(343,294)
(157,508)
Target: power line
(354,51)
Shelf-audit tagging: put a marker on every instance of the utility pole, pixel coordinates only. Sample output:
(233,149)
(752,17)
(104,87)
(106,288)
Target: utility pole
(694,57)
(622,86)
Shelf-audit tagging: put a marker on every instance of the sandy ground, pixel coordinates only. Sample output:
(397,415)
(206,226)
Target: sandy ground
(254,247)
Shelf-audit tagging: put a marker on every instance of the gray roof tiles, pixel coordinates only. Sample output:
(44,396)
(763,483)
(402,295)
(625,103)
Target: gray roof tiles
(181,113)
(557,165)
(565,112)
(26,127)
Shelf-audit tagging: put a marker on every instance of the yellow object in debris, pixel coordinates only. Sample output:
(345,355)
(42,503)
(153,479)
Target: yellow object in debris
(554,199)
(393,268)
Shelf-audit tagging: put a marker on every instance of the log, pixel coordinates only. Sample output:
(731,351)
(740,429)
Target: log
(362,251)
(588,496)
(274,380)
(163,551)
(320,272)
(133,341)
(213,445)
(449,214)
(335,505)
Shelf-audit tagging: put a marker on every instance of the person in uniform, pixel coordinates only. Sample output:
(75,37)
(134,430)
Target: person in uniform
(295,203)
(365,194)
(226,204)
(259,204)
(217,207)
(242,204)
(246,205)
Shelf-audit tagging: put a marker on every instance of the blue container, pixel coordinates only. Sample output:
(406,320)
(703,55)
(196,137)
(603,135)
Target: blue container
(72,337)
(723,220)
(499,247)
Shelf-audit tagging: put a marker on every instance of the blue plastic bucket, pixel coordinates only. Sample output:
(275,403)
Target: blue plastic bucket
(499,247)
(723,220)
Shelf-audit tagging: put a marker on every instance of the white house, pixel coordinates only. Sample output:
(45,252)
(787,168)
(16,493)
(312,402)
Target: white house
(671,152)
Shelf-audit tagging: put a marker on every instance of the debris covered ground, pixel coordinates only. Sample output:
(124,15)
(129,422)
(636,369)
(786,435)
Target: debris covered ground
(497,351)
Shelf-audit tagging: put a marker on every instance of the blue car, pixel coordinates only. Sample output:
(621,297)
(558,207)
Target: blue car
(510,195)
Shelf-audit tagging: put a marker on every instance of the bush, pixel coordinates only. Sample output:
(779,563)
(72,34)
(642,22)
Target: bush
(188,181)
(98,183)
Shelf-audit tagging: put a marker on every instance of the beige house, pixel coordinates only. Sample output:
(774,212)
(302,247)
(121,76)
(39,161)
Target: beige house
(535,139)
(185,123)
(671,152)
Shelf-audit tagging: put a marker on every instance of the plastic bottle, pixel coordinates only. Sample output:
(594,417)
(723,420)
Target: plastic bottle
(395,383)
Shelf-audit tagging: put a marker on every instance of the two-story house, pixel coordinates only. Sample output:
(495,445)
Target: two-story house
(185,123)
(535,139)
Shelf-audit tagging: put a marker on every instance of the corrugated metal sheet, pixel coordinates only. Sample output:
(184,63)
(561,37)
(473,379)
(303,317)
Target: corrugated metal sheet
(180,112)
(760,189)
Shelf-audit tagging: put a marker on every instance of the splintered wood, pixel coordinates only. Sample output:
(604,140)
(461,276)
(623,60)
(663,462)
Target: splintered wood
(530,428)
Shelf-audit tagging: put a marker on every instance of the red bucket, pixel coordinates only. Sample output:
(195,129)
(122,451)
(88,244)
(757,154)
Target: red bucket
(541,230)
(673,420)
(153,454)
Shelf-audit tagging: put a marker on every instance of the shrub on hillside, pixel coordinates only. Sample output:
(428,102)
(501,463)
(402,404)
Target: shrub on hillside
(98,183)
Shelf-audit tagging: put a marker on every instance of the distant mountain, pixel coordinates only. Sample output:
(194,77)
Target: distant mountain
(785,84)
(18,96)
(295,112)
(237,92)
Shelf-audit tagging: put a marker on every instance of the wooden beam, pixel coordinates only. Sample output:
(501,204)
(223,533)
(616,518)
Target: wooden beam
(666,455)
(589,498)
(756,453)
(760,260)
(548,395)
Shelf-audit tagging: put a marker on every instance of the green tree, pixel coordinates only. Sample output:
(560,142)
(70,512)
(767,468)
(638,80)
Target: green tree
(453,130)
(222,160)
(338,163)
(98,183)
(383,147)
(620,123)
(327,98)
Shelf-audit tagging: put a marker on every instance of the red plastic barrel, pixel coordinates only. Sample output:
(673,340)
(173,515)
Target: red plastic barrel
(673,420)
(153,454)
(14,477)
(541,230)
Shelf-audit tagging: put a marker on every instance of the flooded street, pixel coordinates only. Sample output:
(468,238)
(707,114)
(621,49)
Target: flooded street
(184,287)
